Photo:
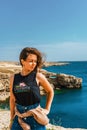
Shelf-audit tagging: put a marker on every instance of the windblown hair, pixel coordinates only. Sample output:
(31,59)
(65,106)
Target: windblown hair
(27,50)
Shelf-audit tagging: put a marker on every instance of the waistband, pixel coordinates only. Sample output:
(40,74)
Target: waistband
(22,109)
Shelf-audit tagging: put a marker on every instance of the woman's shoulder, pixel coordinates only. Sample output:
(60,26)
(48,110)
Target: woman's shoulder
(40,76)
(12,76)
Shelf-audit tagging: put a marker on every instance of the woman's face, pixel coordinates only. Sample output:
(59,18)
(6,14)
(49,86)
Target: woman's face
(30,63)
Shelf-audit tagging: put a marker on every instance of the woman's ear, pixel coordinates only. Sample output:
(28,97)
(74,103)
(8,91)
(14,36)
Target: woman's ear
(22,61)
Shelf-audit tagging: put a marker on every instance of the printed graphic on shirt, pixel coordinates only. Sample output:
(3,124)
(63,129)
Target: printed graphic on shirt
(22,87)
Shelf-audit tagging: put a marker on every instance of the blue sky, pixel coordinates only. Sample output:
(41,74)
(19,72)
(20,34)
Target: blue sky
(58,28)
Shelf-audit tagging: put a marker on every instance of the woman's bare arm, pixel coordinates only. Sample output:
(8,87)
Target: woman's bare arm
(12,99)
(48,88)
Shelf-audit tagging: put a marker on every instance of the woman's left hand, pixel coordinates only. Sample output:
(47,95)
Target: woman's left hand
(44,110)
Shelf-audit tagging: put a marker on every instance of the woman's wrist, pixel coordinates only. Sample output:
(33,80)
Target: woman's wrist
(11,120)
(46,111)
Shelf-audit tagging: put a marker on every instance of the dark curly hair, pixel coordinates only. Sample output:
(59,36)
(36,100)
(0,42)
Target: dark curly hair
(27,50)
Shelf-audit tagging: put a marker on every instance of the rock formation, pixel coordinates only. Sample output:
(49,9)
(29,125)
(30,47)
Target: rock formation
(56,80)
(46,64)
(68,81)
(5,121)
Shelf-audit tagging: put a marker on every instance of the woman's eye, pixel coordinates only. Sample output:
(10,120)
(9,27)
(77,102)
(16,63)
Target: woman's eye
(31,62)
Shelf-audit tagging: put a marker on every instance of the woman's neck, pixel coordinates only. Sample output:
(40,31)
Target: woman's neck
(24,72)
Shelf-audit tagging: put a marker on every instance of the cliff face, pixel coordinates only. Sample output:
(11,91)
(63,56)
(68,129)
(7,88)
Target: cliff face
(56,80)
(5,121)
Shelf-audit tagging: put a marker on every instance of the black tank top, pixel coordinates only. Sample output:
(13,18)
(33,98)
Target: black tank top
(25,89)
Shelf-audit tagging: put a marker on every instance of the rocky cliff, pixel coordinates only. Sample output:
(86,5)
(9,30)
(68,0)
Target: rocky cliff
(5,121)
(56,80)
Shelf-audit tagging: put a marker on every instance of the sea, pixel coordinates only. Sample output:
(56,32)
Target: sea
(69,106)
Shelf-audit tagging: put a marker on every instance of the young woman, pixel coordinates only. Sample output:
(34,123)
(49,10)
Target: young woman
(25,89)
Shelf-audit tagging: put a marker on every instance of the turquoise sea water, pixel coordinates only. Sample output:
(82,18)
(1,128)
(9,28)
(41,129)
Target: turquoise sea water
(69,107)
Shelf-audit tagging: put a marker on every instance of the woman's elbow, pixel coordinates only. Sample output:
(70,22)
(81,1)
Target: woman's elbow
(51,92)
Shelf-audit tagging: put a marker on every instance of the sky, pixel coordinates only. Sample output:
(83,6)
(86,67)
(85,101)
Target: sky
(58,28)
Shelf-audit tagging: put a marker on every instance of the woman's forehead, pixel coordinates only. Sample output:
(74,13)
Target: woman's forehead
(30,56)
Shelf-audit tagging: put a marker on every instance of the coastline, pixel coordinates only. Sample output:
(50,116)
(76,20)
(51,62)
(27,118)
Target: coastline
(11,67)
(47,64)
(5,121)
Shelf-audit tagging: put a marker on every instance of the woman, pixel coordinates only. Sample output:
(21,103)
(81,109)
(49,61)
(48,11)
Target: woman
(25,90)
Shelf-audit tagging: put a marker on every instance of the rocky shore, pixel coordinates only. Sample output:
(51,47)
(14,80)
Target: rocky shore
(5,120)
(46,64)
(58,81)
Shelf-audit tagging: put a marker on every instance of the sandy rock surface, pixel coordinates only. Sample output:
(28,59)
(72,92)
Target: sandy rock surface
(5,120)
